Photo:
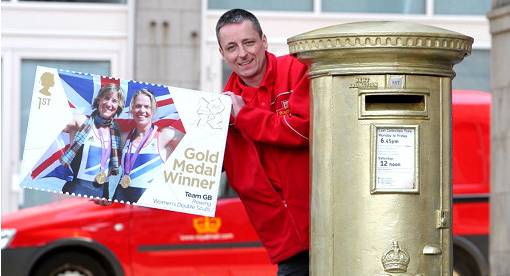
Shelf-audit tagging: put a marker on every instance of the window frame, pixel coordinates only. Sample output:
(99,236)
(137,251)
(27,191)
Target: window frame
(317,9)
(52,41)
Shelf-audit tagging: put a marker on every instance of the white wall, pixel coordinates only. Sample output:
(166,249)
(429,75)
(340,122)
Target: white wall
(54,31)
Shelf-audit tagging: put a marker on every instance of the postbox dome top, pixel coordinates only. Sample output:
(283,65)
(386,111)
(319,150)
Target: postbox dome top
(378,28)
(380,34)
(381,46)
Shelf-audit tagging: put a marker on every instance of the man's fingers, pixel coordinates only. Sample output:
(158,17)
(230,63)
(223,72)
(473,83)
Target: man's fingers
(237,102)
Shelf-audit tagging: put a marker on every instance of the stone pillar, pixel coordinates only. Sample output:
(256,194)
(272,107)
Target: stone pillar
(499,244)
(167,42)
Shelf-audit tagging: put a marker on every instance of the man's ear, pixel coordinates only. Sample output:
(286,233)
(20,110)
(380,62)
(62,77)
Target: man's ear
(264,41)
(221,51)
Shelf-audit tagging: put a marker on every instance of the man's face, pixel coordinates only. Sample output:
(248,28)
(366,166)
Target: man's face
(244,51)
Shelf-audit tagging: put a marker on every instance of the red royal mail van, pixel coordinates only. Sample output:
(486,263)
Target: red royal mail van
(471,181)
(78,237)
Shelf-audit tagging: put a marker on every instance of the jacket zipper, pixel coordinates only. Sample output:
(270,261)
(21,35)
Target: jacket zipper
(298,233)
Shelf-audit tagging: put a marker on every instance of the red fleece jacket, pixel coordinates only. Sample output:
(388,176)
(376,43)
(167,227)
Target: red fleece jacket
(267,157)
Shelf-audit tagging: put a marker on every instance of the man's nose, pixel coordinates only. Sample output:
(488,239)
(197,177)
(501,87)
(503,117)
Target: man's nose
(242,51)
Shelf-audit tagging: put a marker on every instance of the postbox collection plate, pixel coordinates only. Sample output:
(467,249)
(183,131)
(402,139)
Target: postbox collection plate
(395,159)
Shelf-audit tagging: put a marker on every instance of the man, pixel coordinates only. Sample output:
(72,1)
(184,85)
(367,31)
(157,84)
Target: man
(266,158)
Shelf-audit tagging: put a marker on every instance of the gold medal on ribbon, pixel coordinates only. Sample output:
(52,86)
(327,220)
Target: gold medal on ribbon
(101,177)
(125,181)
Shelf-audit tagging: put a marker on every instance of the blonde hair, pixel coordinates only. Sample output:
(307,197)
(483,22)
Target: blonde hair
(109,89)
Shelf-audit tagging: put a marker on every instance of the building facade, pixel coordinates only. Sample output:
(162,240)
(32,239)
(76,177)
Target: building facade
(174,43)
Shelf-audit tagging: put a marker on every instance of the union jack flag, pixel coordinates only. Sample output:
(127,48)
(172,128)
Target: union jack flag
(49,165)
(81,90)
(166,114)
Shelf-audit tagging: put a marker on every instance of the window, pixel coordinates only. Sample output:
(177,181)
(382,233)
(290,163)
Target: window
(462,7)
(375,6)
(80,1)
(473,73)
(280,5)
(419,7)
(28,66)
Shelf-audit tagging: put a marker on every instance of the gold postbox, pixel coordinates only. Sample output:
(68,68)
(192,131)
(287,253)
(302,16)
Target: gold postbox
(381,147)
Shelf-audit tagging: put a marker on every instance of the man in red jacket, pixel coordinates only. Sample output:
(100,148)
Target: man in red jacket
(266,158)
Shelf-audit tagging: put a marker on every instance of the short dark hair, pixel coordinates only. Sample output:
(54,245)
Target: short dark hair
(108,89)
(237,16)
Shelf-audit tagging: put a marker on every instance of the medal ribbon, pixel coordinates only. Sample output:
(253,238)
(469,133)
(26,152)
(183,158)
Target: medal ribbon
(129,159)
(105,149)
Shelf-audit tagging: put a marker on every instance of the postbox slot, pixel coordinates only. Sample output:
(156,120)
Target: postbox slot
(394,103)
(399,102)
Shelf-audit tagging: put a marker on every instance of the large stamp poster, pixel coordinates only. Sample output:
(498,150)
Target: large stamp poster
(126,141)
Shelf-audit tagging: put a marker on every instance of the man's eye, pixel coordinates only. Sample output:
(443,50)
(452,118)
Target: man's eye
(250,43)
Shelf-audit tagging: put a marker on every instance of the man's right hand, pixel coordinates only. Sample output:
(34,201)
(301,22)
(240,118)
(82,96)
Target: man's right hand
(237,103)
